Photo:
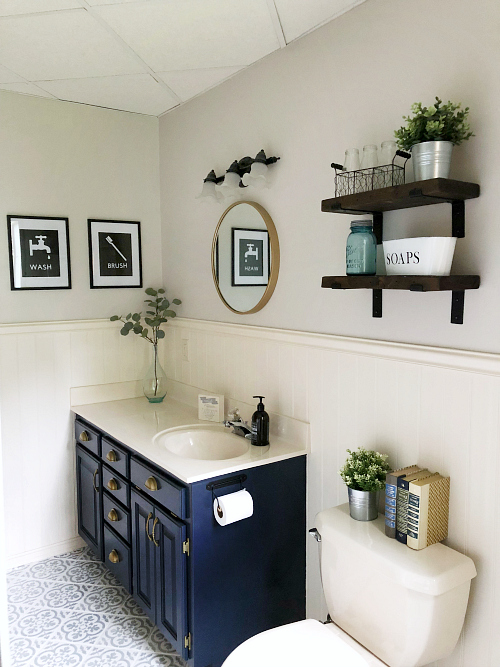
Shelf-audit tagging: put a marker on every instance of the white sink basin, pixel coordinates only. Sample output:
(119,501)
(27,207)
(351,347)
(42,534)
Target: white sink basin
(202,442)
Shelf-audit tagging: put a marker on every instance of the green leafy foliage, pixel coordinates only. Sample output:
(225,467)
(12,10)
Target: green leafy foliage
(158,315)
(438,122)
(365,470)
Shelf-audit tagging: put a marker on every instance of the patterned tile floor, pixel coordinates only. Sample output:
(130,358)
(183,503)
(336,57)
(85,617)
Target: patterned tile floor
(70,611)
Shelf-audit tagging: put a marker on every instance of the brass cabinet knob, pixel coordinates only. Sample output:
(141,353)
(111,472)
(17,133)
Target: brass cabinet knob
(113,515)
(151,484)
(113,484)
(114,556)
(84,436)
(111,456)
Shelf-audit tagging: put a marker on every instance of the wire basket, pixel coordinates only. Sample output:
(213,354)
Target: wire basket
(373,178)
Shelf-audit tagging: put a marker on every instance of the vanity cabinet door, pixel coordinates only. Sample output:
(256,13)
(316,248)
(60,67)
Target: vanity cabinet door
(171,578)
(143,554)
(89,499)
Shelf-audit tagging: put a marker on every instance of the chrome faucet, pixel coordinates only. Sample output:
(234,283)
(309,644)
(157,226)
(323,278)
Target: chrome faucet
(240,427)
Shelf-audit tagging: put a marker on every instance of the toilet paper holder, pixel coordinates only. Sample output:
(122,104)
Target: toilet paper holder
(229,481)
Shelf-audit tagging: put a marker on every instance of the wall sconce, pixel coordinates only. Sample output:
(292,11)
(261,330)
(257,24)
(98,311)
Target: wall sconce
(241,174)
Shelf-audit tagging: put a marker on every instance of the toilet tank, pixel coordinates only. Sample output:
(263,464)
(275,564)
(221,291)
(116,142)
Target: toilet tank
(405,606)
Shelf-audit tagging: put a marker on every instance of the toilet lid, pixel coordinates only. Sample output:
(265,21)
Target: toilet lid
(301,644)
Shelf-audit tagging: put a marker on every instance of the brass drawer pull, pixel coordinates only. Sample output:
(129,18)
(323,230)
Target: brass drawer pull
(147,526)
(157,544)
(111,456)
(151,484)
(93,480)
(84,436)
(113,515)
(114,556)
(113,484)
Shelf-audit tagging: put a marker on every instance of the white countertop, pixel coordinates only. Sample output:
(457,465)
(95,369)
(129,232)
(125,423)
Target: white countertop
(134,422)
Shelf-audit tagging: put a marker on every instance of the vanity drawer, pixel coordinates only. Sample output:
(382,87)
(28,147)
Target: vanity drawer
(165,491)
(87,437)
(117,558)
(116,516)
(115,485)
(115,457)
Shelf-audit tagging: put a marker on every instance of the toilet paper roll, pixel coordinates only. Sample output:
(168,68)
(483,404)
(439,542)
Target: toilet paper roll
(233,507)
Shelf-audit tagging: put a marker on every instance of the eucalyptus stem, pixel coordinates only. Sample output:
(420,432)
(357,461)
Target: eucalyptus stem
(159,313)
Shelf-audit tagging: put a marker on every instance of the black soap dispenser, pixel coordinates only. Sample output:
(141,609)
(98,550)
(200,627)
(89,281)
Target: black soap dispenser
(260,425)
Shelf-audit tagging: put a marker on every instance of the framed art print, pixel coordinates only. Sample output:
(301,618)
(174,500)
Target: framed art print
(250,257)
(115,253)
(39,252)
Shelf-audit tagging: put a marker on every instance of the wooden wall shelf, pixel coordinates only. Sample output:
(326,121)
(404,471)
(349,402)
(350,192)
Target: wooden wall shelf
(409,195)
(411,283)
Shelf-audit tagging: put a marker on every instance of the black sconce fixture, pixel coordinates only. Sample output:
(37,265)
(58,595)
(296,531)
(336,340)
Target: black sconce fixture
(242,173)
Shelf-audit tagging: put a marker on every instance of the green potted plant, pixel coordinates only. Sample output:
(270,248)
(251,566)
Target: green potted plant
(149,328)
(430,136)
(364,474)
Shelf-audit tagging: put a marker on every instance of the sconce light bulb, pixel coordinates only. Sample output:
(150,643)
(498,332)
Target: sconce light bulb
(208,191)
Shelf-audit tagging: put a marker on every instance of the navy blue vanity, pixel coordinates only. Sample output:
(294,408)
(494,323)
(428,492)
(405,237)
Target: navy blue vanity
(207,587)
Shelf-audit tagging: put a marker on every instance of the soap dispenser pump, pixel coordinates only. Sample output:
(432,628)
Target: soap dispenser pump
(260,425)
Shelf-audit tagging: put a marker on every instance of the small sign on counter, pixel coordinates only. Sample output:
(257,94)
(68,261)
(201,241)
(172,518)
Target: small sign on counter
(211,407)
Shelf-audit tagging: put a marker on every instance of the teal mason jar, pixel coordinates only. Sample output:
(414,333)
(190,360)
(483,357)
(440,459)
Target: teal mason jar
(361,249)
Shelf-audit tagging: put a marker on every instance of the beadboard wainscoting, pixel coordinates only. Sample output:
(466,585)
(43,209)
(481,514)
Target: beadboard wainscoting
(438,407)
(39,365)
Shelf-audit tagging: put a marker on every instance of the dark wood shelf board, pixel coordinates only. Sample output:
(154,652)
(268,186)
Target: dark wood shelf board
(411,283)
(409,195)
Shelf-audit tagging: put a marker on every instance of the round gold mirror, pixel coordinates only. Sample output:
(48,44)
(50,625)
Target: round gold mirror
(245,257)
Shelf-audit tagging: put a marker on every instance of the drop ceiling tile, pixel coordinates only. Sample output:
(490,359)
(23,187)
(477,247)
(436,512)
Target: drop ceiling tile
(139,93)
(6,76)
(298,17)
(12,7)
(188,83)
(193,34)
(25,88)
(62,45)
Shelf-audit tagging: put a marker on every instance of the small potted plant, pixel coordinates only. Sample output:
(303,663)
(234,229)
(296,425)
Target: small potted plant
(430,136)
(364,474)
(149,328)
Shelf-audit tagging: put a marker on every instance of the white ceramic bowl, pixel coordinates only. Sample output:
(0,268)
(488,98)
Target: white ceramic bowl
(423,256)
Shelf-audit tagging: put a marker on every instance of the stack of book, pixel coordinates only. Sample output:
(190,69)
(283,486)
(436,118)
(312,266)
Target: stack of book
(416,506)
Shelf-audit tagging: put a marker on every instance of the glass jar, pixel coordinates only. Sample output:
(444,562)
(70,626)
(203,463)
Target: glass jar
(387,152)
(370,156)
(361,249)
(351,159)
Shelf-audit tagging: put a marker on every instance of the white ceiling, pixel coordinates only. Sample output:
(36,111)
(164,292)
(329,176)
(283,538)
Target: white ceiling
(144,56)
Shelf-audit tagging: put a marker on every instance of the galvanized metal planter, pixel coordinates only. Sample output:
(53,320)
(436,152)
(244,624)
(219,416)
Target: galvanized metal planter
(431,159)
(363,505)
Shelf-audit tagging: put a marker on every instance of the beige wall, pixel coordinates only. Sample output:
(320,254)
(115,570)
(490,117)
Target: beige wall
(76,161)
(346,84)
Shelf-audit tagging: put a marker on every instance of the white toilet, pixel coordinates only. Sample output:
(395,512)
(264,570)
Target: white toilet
(390,605)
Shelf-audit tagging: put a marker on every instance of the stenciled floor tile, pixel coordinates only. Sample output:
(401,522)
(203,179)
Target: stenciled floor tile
(70,611)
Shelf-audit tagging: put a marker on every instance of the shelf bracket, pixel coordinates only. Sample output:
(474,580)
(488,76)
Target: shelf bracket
(378,225)
(377,303)
(457,306)
(458,218)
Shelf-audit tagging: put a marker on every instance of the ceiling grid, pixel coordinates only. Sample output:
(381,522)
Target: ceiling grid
(144,56)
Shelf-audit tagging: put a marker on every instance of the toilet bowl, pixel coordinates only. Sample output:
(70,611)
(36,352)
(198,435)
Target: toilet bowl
(391,606)
(303,644)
